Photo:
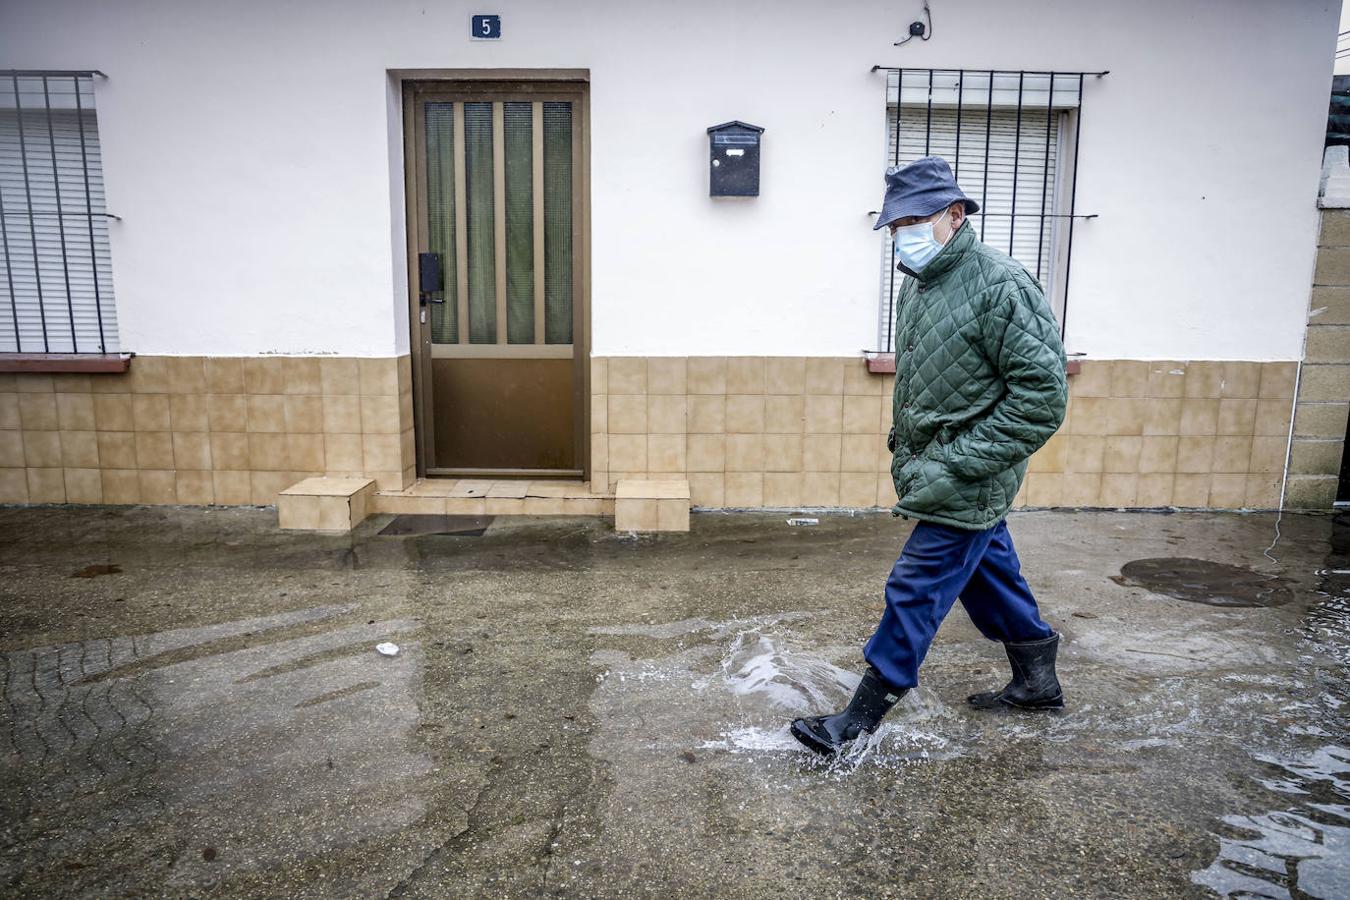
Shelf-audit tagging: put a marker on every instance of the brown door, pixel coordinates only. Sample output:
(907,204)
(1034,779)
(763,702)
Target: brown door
(497,176)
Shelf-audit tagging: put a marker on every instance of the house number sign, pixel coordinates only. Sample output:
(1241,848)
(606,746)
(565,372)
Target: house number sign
(486,28)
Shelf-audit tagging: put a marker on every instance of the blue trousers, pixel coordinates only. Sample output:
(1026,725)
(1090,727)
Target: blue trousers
(937,565)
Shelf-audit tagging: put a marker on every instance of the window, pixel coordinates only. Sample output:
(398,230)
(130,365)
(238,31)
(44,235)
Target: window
(508,164)
(56,290)
(1011,139)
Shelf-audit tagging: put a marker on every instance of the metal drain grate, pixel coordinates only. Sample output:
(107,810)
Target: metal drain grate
(461,526)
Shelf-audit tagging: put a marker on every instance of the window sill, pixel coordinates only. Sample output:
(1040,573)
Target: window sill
(884,364)
(65,362)
(881,364)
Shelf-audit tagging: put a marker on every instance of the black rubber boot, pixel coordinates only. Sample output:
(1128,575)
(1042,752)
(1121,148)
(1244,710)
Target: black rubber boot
(1033,685)
(871,701)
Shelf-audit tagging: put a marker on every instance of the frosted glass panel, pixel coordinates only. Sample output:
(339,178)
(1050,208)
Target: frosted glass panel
(558,223)
(518,124)
(480,224)
(440,121)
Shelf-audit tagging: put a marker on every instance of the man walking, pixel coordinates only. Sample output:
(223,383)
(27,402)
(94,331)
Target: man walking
(979,386)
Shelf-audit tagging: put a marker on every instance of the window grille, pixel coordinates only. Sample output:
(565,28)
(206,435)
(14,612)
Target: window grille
(1011,138)
(56,291)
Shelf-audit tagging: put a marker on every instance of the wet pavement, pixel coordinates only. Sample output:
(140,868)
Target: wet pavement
(194,705)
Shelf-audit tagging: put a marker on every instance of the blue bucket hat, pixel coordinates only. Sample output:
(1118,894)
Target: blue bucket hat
(920,189)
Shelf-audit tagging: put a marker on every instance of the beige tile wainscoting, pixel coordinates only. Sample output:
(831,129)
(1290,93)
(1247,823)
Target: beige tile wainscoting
(744,431)
(195,430)
(782,432)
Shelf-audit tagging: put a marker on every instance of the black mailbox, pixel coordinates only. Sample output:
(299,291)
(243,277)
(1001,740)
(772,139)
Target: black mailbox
(734,160)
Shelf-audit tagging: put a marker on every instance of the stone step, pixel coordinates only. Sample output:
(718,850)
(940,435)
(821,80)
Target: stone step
(325,504)
(490,497)
(651,505)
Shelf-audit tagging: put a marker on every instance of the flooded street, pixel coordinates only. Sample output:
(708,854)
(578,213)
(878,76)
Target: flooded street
(194,704)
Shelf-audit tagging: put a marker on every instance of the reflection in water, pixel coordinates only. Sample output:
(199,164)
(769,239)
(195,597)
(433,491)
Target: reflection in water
(212,731)
(1326,623)
(1302,849)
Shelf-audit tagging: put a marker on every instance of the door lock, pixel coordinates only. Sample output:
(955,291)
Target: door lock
(429,280)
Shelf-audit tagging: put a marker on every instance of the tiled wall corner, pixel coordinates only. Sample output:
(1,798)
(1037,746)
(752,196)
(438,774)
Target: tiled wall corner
(1324,385)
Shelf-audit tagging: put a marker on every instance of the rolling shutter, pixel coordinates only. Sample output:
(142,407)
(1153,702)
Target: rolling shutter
(56,291)
(1007,162)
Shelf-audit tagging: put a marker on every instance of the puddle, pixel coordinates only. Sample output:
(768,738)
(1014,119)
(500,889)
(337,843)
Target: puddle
(737,690)
(1300,846)
(767,669)
(1203,581)
(1302,851)
(461,526)
(1214,735)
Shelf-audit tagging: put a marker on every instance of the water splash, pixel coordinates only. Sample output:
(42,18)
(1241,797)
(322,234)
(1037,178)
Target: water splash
(893,742)
(772,680)
(764,665)
(753,739)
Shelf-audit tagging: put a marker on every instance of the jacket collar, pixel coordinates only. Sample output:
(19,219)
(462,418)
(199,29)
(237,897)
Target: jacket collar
(947,259)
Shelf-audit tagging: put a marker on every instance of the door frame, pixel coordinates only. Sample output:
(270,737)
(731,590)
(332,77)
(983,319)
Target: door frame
(526,82)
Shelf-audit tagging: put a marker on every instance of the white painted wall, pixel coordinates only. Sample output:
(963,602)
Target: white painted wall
(247,148)
(1343,44)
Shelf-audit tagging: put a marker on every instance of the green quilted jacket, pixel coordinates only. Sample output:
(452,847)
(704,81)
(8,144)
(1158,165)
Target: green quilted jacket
(979,384)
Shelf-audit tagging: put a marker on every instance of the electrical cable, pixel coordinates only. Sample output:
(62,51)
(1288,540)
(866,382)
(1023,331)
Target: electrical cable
(927,32)
(1288,455)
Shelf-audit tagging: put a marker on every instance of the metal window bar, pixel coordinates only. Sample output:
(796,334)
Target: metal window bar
(57,281)
(988,131)
(1007,167)
(1045,175)
(1017,161)
(888,324)
(1073,194)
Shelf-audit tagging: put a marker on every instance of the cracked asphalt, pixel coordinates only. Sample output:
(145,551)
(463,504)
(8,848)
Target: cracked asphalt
(194,706)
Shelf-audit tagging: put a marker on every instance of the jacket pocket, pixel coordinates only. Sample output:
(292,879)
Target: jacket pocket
(903,475)
(931,489)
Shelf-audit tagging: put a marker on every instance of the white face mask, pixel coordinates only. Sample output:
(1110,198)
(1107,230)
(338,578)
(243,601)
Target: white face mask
(915,246)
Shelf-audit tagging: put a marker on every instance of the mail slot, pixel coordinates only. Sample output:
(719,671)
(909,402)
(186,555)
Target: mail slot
(733,169)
